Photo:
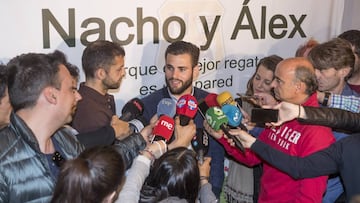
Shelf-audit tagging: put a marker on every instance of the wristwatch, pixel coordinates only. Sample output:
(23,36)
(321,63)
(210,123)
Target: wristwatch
(326,99)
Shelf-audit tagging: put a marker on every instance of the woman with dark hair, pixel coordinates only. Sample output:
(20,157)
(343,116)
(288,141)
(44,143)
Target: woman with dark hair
(96,175)
(175,177)
(243,183)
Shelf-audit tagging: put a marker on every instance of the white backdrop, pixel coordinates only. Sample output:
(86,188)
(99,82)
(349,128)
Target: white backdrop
(233,35)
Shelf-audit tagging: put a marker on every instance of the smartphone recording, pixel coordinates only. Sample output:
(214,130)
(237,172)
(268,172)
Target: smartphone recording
(259,115)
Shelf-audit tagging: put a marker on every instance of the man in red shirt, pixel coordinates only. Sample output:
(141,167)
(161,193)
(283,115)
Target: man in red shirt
(294,82)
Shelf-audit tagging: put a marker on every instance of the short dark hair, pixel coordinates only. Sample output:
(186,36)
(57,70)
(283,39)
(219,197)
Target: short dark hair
(182,47)
(91,177)
(336,53)
(100,54)
(29,74)
(352,36)
(307,76)
(175,173)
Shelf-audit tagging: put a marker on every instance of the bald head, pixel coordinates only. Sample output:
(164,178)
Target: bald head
(291,64)
(294,80)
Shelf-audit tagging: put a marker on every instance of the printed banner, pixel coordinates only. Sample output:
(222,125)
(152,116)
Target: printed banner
(232,35)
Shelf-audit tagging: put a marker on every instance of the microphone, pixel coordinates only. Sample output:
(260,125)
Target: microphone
(132,109)
(166,106)
(218,120)
(200,144)
(137,124)
(163,129)
(225,98)
(186,108)
(233,114)
(206,103)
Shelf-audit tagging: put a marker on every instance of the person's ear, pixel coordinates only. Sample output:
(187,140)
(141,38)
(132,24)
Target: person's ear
(50,95)
(345,71)
(100,73)
(196,72)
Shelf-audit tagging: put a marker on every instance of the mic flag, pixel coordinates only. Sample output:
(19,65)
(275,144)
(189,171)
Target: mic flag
(218,120)
(166,106)
(132,109)
(186,108)
(163,129)
(233,114)
(225,98)
(200,144)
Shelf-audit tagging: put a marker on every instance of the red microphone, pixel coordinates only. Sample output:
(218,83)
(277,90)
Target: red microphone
(206,103)
(163,129)
(186,108)
(210,100)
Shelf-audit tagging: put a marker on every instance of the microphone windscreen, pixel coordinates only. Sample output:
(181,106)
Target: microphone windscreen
(187,106)
(164,128)
(132,109)
(166,106)
(210,100)
(206,103)
(225,98)
(233,114)
(216,118)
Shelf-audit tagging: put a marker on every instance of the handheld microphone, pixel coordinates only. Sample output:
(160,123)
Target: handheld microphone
(218,120)
(234,116)
(163,129)
(200,144)
(137,124)
(166,106)
(132,109)
(186,108)
(225,98)
(206,103)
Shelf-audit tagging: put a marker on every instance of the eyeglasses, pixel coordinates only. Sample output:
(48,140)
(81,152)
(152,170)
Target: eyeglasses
(58,159)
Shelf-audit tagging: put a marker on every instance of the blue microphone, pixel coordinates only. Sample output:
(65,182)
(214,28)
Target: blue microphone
(166,106)
(234,116)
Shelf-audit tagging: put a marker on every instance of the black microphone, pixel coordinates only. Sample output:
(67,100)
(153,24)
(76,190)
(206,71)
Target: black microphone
(200,144)
(132,109)
(137,124)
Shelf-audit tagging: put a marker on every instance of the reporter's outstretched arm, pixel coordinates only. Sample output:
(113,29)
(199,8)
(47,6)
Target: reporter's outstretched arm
(102,137)
(334,118)
(288,112)
(139,171)
(129,147)
(206,194)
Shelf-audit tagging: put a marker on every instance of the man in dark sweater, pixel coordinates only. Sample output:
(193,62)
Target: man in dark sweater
(181,69)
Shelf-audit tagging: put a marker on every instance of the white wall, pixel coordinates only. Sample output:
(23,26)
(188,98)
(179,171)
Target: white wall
(351,17)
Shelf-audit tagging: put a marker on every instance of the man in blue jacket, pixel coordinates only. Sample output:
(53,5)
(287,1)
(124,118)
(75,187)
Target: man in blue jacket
(181,69)
(43,96)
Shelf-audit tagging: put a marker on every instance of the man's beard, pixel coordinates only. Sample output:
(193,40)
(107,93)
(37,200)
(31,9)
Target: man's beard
(108,84)
(182,88)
